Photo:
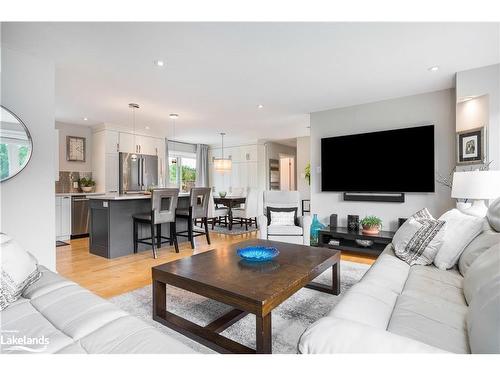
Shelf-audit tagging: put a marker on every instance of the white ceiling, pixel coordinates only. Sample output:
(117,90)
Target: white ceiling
(216,74)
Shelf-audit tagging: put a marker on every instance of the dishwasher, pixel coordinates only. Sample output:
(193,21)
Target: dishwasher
(79,216)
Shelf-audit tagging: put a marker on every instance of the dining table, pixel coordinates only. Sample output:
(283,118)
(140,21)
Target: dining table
(230,202)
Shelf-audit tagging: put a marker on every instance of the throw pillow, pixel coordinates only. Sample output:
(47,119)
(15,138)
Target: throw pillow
(282,218)
(275,210)
(418,240)
(19,269)
(461,229)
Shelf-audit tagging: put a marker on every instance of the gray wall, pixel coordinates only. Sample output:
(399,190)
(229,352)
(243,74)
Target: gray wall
(76,131)
(436,108)
(28,200)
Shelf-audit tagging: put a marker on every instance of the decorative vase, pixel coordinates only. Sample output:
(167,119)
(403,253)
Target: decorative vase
(316,226)
(87,189)
(371,229)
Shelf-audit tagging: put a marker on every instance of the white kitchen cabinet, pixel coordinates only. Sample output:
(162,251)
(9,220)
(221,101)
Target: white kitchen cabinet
(112,141)
(127,144)
(248,153)
(63,218)
(160,152)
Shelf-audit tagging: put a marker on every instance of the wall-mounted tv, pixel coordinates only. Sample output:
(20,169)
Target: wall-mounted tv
(392,161)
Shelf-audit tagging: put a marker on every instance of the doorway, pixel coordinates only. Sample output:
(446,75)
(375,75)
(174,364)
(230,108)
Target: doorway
(287,172)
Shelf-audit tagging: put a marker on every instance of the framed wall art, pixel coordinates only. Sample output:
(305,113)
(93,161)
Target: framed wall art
(471,146)
(75,148)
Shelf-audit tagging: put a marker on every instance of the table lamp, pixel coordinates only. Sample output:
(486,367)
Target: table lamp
(477,186)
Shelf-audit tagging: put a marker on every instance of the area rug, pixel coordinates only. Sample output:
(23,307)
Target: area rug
(289,320)
(237,229)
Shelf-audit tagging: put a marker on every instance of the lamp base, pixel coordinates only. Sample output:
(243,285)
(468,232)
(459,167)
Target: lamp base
(477,209)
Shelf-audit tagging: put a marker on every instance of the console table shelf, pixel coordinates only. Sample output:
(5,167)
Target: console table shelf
(348,239)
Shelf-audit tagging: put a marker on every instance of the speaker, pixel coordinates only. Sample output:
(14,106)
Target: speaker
(353,222)
(333,221)
(401,221)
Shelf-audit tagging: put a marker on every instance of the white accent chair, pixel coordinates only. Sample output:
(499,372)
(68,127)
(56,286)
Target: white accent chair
(247,215)
(298,234)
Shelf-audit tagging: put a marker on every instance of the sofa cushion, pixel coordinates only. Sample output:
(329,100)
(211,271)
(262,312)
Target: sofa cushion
(479,245)
(493,214)
(481,272)
(363,297)
(19,269)
(388,272)
(284,230)
(483,319)
(460,230)
(439,324)
(434,285)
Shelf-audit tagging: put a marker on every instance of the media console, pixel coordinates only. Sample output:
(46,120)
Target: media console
(347,240)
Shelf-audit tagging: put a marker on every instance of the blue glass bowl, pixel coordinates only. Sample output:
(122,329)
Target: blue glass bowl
(257,253)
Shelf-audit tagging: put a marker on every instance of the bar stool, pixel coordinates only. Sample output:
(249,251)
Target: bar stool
(163,207)
(198,209)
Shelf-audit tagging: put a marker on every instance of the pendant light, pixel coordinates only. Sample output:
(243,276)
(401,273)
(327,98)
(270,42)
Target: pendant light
(133,106)
(173,116)
(222,164)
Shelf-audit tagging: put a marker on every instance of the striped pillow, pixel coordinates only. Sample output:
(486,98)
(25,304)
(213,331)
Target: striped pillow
(418,240)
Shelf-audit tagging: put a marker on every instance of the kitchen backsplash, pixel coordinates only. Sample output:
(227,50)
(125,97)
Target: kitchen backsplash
(67,180)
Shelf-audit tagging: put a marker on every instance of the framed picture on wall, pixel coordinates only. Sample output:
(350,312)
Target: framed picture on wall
(75,148)
(471,146)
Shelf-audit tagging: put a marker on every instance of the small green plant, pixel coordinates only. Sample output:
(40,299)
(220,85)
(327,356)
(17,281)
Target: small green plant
(308,173)
(371,221)
(86,182)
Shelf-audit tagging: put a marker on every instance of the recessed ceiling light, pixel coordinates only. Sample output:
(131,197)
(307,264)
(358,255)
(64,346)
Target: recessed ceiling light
(159,63)
(433,68)
(173,116)
(260,106)
(147,128)
(85,119)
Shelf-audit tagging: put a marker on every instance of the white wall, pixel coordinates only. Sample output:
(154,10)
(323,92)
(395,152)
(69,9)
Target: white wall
(76,131)
(483,81)
(28,200)
(303,158)
(436,108)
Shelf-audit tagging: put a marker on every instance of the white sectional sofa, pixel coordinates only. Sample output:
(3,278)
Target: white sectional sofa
(66,318)
(419,309)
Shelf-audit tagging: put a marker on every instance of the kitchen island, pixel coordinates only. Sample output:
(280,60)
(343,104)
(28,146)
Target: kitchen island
(111,223)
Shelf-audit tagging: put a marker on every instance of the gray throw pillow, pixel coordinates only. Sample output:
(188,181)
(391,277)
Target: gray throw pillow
(418,240)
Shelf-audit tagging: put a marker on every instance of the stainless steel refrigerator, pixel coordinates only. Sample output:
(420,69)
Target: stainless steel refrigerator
(137,173)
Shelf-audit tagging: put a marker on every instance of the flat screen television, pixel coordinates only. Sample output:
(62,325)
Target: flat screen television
(392,161)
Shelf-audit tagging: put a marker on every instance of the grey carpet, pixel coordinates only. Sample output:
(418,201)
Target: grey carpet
(289,320)
(237,229)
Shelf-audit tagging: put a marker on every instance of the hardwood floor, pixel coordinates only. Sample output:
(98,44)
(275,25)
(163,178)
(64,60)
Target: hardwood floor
(111,277)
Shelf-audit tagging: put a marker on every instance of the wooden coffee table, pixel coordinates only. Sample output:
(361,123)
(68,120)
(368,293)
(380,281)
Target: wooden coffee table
(255,288)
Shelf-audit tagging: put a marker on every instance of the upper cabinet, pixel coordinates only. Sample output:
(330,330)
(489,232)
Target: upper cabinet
(139,144)
(126,143)
(112,141)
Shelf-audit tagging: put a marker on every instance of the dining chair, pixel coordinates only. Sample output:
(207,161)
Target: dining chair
(248,213)
(198,209)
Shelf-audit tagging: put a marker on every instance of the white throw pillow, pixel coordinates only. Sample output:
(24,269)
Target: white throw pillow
(283,218)
(418,240)
(461,229)
(19,269)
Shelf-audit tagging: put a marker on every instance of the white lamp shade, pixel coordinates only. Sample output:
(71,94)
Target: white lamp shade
(222,165)
(476,185)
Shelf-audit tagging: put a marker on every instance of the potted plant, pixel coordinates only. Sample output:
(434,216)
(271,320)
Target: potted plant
(371,224)
(307,173)
(86,184)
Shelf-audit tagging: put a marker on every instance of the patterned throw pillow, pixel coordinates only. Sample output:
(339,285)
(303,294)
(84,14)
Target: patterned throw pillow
(19,269)
(276,210)
(418,240)
(282,218)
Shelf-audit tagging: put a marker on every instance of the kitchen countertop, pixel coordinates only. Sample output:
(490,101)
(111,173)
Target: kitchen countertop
(124,197)
(76,194)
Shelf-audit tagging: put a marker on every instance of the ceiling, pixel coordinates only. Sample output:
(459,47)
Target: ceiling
(216,74)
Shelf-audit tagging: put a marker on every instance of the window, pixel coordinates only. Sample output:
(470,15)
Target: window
(182,171)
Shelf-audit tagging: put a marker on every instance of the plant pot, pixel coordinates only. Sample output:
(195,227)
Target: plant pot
(87,189)
(370,229)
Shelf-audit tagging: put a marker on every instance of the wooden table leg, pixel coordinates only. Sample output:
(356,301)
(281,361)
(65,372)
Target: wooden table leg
(263,334)
(159,298)
(230,214)
(336,278)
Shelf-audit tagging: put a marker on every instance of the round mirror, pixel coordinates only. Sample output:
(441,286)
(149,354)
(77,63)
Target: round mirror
(15,144)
